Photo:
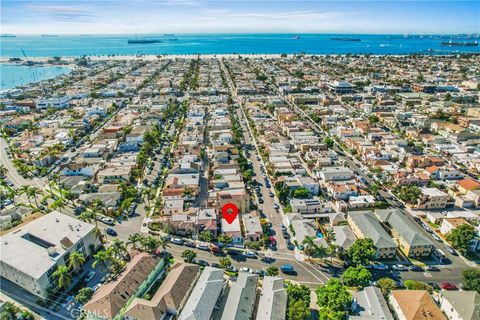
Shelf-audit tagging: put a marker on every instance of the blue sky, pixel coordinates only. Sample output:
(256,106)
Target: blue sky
(198,16)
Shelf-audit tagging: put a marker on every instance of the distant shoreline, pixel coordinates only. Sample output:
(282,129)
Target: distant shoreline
(151,57)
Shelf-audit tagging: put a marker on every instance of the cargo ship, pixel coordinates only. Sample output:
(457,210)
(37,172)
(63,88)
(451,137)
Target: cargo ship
(143,41)
(345,39)
(459,44)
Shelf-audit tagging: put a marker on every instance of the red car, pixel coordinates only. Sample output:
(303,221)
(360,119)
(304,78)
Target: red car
(448,286)
(273,242)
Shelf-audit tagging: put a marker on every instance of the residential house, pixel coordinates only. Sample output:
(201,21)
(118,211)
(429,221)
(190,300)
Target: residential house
(110,298)
(203,298)
(364,224)
(369,304)
(460,305)
(272,304)
(169,298)
(407,234)
(414,305)
(241,298)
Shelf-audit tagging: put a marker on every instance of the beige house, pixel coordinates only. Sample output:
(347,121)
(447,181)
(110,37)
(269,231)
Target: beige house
(169,298)
(414,305)
(364,224)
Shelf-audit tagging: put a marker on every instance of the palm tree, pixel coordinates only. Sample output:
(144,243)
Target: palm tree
(150,244)
(3,170)
(58,204)
(32,191)
(102,257)
(135,239)
(76,260)
(88,216)
(25,190)
(119,249)
(311,249)
(63,277)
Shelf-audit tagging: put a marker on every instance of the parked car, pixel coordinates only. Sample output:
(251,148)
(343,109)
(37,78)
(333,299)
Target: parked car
(276,206)
(432,268)
(190,244)
(250,254)
(271,194)
(177,241)
(434,285)
(215,265)
(380,266)
(90,276)
(287,269)
(259,272)
(286,235)
(399,267)
(202,246)
(290,247)
(232,269)
(203,263)
(436,237)
(448,286)
(111,232)
(452,251)
(416,268)
(245,269)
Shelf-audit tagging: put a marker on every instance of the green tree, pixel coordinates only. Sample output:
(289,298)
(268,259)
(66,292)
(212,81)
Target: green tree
(298,302)
(461,236)
(225,262)
(334,299)
(361,252)
(373,119)
(386,285)
(357,276)
(76,260)
(84,295)
(471,279)
(417,285)
(189,255)
(329,142)
(135,239)
(301,193)
(311,249)
(206,236)
(271,271)
(12,312)
(224,238)
(409,194)
(62,276)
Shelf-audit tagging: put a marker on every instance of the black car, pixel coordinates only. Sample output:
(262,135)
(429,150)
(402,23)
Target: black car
(286,236)
(190,244)
(416,268)
(111,232)
(203,263)
(290,247)
(260,200)
(434,285)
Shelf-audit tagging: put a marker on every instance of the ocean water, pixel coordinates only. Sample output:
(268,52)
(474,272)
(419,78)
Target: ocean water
(77,45)
(16,75)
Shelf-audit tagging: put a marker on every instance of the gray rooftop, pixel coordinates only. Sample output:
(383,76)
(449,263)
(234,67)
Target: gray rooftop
(27,248)
(241,298)
(273,300)
(466,303)
(370,305)
(204,296)
(403,226)
(371,228)
(344,236)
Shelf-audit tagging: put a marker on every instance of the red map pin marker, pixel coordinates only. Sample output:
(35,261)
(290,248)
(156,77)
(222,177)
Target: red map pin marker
(229,212)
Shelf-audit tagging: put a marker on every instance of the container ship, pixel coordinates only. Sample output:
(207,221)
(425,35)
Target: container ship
(459,44)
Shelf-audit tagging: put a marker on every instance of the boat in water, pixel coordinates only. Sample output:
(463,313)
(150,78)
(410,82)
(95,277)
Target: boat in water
(296,37)
(459,44)
(143,41)
(7,36)
(345,39)
(49,35)
(169,34)
(173,39)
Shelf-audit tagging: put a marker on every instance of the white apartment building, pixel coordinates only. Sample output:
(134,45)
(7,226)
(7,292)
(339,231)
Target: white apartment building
(31,254)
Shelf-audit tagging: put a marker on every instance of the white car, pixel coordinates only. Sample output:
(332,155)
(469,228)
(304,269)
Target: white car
(90,276)
(245,269)
(177,241)
(436,237)
(250,254)
(202,246)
